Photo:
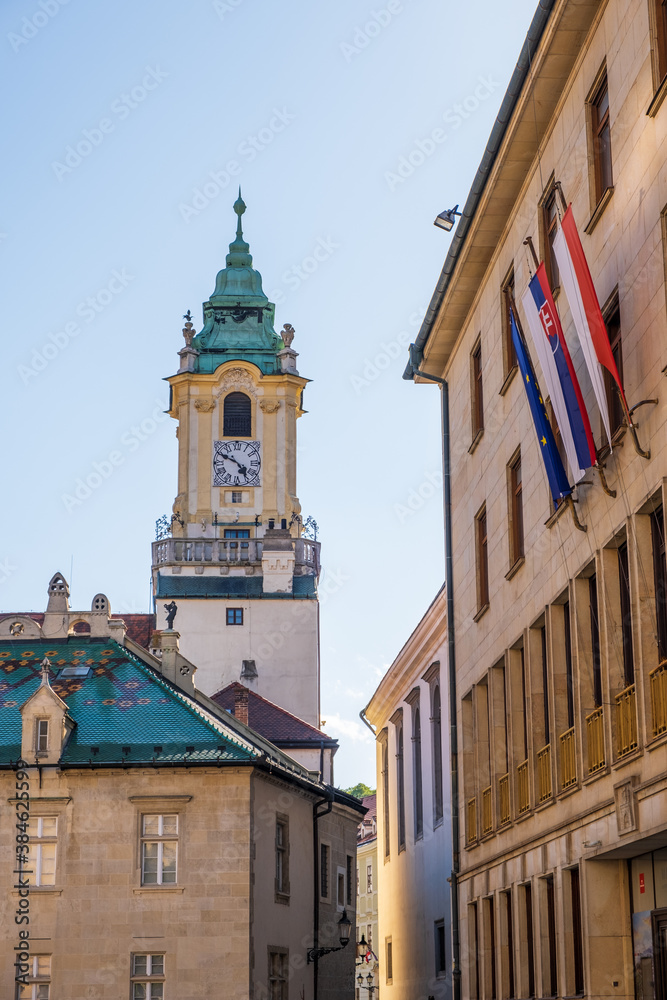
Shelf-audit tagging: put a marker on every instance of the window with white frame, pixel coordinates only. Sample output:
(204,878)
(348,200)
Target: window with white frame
(38,986)
(369,878)
(43,831)
(42,735)
(159,850)
(147,977)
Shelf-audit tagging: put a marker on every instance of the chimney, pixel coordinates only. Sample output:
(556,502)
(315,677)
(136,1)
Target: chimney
(241,703)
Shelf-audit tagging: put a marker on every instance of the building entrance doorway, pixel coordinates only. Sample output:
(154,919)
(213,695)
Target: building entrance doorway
(659,921)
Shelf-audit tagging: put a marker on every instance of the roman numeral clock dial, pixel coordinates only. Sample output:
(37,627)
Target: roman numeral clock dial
(236,463)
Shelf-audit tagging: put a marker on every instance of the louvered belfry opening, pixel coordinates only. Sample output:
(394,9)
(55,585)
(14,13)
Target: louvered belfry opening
(238,418)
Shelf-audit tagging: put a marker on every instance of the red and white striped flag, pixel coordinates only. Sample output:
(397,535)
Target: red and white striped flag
(586,313)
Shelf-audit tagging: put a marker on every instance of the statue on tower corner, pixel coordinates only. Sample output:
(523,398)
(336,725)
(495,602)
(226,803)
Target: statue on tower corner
(287,334)
(171,610)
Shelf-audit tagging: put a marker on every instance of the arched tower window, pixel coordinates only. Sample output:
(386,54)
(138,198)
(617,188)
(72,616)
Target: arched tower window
(237,415)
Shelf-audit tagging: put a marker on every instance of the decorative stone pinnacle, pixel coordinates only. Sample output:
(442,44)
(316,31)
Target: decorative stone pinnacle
(287,334)
(188,329)
(45,664)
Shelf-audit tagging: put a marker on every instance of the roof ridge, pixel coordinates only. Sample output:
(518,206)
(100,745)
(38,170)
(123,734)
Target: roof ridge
(273,704)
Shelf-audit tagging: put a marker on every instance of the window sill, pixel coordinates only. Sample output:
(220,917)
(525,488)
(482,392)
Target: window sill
(159,888)
(508,379)
(656,742)
(657,100)
(515,567)
(627,758)
(595,775)
(482,611)
(475,441)
(599,209)
(41,890)
(283,898)
(557,514)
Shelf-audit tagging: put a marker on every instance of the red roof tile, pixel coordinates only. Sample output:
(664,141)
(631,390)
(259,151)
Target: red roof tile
(139,627)
(280,727)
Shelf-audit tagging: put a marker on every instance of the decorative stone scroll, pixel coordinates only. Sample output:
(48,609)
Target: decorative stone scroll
(204,404)
(235,378)
(269,405)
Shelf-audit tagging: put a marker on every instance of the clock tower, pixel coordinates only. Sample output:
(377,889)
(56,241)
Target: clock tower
(232,557)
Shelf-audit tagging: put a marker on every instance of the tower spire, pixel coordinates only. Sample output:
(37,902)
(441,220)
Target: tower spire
(238,255)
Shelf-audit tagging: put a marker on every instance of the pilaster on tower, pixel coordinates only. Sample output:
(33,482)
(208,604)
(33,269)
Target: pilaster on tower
(243,577)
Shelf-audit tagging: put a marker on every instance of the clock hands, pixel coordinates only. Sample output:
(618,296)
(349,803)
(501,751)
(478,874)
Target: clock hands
(242,468)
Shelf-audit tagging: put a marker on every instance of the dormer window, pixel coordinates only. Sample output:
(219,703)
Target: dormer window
(42,735)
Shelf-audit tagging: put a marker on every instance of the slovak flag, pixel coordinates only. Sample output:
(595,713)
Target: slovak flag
(559,374)
(586,313)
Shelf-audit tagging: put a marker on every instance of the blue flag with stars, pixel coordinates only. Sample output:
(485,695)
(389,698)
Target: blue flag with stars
(556,475)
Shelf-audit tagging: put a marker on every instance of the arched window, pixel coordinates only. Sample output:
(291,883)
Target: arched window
(237,418)
(436,731)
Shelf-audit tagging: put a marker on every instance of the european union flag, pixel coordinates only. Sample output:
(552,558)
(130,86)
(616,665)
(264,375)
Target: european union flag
(558,481)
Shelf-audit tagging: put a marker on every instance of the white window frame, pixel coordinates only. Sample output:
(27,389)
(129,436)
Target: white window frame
(37,981)
(369,878)
(160,839)
(150,978)
(41,732)
(36,846)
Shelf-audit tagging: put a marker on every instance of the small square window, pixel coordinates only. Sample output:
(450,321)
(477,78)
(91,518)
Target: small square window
(147,977)
(235,616)
(237,496)
(38,986)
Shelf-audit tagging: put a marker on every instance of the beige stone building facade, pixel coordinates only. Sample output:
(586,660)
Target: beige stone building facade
(153,845)
(409,713)
(367,903)
(560,628)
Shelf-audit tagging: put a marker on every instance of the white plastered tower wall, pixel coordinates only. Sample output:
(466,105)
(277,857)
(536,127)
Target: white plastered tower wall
(233,557)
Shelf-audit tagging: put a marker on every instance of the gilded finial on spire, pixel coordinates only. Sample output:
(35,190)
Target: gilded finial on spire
(238,255)
(239,208)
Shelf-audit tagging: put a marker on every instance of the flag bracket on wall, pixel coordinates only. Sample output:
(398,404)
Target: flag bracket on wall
(632,427)
(570,501)
(603,481)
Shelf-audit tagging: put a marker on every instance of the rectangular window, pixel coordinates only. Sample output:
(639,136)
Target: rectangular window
(551,983)
(236,532)
(324,871)
(237,497)
(626,614)
(550,228)
(577,932)
(340,887)
(400,785)
(595,639)
(43,831)
(601,135)
(482,560)
(282,887)
(660,15)
(440,951)
(491,947)
(473,945)
(509,932)
(38,986)
(569,680)
(369,878)
(235,616)
(390,961)
(509,354)
(348,880)
(613,323)
(278,973)
(147,977)
(159,849)
(436,738)
(477,392)
(545,685)
(516,510)
(385,792)
(417,771)
(42,735)
(660,579)
(530,941)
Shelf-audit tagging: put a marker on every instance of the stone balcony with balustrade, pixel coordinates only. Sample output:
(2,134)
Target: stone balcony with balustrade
(225,555)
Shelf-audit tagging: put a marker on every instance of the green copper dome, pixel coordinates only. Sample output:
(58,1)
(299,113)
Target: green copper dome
(238,317)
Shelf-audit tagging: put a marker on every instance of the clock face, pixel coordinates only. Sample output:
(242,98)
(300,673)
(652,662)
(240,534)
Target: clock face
(236,463)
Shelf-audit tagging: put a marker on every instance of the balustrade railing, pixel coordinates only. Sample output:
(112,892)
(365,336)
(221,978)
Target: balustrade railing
(487,813)
(626,721)
(659,698)
(504,797)
(595,740)
(523,794)
(471,820)
(568,760)
(220,551)
(544,773)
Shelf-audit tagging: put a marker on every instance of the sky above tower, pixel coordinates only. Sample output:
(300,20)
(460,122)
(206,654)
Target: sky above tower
(349,126)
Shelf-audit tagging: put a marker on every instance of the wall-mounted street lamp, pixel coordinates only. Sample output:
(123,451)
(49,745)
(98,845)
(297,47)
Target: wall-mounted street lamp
(344,928)
(369,979)
(447,219)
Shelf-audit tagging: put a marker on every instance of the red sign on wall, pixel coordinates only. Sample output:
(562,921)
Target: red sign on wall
(642,884)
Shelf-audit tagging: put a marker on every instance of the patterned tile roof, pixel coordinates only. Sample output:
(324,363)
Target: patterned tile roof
(228,586)
(280,727)
(124,711)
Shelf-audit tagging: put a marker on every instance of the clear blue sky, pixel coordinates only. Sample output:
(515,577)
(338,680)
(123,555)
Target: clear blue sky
(325,113)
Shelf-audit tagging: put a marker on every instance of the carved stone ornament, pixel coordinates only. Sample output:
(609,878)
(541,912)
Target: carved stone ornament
(235,378)
(626,807)
(269,405)
(287,334)
(204,404)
